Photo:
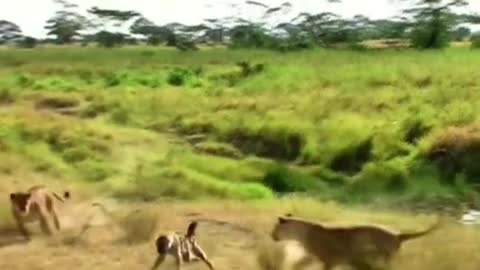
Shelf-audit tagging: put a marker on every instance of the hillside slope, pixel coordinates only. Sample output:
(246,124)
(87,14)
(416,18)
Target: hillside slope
(145,123)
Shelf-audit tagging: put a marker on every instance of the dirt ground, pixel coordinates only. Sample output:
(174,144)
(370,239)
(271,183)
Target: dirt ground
(125,241)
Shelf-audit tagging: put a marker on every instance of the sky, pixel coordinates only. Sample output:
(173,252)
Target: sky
(31,15)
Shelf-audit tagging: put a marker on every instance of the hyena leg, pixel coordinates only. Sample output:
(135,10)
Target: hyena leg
(178,259)
(158,261)
(199,253)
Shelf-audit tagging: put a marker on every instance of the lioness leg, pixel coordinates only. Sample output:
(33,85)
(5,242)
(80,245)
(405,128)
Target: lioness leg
(55,219)
(328,266)
(23,230)
(53,211)
(44,224)
(304,262)
(158,261)
(362,266)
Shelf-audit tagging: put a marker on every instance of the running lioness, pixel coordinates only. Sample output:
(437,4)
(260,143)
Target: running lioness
(35,204)
(343,245)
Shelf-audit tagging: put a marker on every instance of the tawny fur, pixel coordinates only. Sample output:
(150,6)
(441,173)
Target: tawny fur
(355,246)
(36,204)
(183,248)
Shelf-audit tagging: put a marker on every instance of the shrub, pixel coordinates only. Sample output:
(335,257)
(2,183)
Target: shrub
(281,179)
(178,182)
(120,115)
(25,81)
(6,96)
(430,36)
(178,76)
(456,150)
(57,102)
(475,41)
(27,42)
(94,170)
(112,80)
(218,149)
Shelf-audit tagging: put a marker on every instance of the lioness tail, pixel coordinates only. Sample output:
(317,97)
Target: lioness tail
(409,236)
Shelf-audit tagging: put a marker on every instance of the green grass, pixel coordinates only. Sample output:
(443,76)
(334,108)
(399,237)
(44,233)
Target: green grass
(348,125)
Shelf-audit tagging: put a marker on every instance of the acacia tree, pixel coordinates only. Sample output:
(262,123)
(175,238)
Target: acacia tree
(110,18)
(434,20)
(9,31)
(66,24)
(157,34)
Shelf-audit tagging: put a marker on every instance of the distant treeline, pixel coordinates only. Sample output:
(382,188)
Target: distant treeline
(426,24)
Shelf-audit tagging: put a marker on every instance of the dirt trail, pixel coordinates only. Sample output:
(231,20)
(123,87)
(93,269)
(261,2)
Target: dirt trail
(100,247)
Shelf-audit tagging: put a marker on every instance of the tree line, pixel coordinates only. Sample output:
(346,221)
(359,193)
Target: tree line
(427,24)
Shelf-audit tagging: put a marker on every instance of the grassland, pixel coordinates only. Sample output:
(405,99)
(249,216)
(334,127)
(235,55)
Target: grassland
(211,129)
(389,126)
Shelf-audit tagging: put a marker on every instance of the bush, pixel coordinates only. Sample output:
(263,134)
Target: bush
(177,182)
(57,102)
(25,80)
(456,150)
(475,41)
(112,80)
(186,45)
(248,69)
(94,170)
(110,40)
(27,42)
(281,179)
(120,115)
(178,76)
(430,36)
(6,96)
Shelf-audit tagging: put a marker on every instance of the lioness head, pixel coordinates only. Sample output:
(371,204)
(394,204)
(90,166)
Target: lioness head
(285,229)
(20,201)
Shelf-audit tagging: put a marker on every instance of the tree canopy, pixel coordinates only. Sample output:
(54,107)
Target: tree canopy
(426,23)
(66,24)
(9,31)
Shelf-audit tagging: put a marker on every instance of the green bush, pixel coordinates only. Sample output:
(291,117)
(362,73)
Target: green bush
(94,170)
(6,96)
(178,76)
(430,35)
(281,179)
(475,41)
(178,182)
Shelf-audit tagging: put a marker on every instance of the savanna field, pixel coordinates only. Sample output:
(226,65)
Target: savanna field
(387,137)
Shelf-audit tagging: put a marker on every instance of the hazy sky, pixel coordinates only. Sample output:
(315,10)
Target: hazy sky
(32,14)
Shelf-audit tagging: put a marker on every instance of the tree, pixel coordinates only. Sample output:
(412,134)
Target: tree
(110,18)
(433,20)
(110,39)
(9,31)
(27,42)
(322,28)
(475,39)
(66,24)
(390,28)
(461,33)
(155,34)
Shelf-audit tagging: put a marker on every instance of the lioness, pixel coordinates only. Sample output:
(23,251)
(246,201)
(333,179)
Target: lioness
(35,204)
(349,245)
(182,247)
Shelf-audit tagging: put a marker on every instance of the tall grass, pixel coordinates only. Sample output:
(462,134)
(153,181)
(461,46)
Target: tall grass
(364,120)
